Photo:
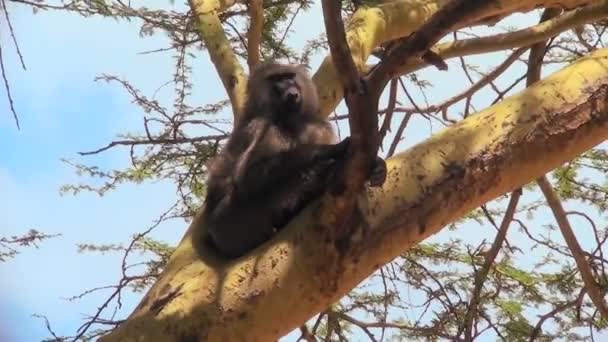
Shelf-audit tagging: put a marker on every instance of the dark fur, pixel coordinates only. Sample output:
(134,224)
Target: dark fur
(281,156)
(278,159)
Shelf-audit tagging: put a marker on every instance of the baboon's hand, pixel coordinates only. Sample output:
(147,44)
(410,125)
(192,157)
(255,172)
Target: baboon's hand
(378,176)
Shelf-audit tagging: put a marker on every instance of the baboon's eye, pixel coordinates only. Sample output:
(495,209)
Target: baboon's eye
(281,76)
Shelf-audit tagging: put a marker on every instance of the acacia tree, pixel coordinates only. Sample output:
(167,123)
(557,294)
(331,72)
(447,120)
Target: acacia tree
(313,274)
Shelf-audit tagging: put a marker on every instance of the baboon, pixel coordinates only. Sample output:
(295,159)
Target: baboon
(280,156)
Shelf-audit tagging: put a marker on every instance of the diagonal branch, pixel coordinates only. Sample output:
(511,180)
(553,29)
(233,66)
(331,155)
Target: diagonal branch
(220,51)
(481,276)
(482,82)
(593,288)
(419,42)
(7,87)
(340,52)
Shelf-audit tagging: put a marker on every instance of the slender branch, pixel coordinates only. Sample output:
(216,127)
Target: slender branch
(557,309)
(12,32)
(8,90)
(338,46)
(485,80)
(489,260)
(390,110)
(399,134)
(254,35)
(593,288)
(538,50)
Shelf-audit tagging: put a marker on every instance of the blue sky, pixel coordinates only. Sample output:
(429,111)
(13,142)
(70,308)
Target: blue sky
(63,111)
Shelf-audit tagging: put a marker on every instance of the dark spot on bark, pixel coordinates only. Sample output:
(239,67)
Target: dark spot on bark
(455,170)
(421,227)
(184,337)
(253,295)
(232,82)
(343,244)
(165,296)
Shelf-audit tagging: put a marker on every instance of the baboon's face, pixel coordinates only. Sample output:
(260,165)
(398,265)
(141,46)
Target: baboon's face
(285,93)
(281,91)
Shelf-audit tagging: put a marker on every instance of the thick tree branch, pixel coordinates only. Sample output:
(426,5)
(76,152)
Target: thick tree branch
(220,51)
(362,119)
(412,47)
(374,25)
(276,288)
(519,38)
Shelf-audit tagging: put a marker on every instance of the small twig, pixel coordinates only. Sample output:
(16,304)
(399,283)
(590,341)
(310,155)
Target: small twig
(290,24)
(362,325)
(48,327)
(487,214)
(558,308)
(8,90)
(392,102)
(12,32)
(156,141)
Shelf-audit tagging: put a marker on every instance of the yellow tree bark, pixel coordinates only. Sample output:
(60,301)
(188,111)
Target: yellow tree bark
(371,26)
(283,283)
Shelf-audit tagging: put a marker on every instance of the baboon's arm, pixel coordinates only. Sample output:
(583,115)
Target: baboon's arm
(267,172)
